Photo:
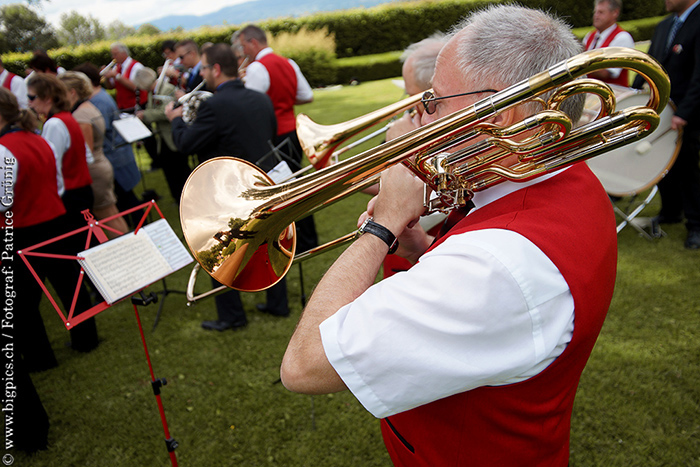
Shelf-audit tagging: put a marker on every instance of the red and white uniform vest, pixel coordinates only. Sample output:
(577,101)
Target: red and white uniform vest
(527,423)
(74,167)
(8,81)
(623,79)
(126,98)
(36,197)
(282,92)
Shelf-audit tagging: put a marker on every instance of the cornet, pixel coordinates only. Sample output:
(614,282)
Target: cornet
(106,69)
(239,226)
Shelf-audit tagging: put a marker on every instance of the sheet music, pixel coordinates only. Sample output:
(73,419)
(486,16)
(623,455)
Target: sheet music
(131,128)
(168,244)
(127,264)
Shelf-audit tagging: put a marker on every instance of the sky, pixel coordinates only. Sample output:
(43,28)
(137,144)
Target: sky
(129,12)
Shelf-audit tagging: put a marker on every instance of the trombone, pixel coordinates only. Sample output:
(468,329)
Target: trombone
(239,226)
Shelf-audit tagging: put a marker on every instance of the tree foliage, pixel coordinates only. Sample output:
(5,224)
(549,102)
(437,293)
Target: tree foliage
(147,29)
(22,30)
(116,30)
(77,29)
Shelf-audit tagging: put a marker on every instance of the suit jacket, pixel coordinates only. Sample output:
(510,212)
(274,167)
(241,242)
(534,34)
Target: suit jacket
(235,121)
(682,63)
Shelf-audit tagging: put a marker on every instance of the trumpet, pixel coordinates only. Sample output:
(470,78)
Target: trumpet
(106,69)
(157,89)
(239,225)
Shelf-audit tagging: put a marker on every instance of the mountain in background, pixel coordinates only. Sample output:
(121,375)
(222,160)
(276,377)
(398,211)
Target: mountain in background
(257,10)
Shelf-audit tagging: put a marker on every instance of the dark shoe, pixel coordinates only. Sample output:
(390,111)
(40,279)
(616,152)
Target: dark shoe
(263,308)
(667,220)
(219,325)
(692,242)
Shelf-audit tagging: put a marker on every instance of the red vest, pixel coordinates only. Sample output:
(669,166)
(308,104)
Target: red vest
(74,167)
(8,80)
(623,79)
(525,424)
(282,92)
(126,98)
(36,197)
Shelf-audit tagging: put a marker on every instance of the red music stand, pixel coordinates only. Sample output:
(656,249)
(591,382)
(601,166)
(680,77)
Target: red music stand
(95,229)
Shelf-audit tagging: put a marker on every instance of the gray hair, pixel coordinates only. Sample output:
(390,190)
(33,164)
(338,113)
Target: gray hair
(423,55)
(613,4)
(121,47)
(497,37)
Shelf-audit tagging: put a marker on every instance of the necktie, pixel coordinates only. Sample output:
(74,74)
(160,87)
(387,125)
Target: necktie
(595,42)
(677,23)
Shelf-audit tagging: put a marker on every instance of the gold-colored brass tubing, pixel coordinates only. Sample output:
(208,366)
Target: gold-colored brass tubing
(239,226)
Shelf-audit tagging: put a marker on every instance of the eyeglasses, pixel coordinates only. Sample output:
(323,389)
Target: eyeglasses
(204,67)
(31,97)
(428,99)
(184,55)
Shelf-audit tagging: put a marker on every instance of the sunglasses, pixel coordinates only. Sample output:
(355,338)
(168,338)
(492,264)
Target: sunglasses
(31,97)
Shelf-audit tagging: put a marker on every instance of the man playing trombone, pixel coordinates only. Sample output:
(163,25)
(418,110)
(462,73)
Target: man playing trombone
(472,356)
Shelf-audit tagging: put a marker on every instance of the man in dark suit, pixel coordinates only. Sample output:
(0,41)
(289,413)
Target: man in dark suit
(676,45)
(237,122)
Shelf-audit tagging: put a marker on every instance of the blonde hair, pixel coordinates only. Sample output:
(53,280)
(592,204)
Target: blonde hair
(78,81)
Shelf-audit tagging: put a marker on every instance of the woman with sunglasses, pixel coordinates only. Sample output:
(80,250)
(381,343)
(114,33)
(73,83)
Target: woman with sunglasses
(92,125)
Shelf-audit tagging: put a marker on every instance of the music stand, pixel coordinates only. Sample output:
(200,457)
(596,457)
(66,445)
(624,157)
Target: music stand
(99,262)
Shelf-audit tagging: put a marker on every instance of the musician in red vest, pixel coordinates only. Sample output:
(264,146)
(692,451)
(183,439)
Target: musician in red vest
(472,356)
(282,80)
(278,77)
(48,97)
(15,84)
(121,78)
(608,33)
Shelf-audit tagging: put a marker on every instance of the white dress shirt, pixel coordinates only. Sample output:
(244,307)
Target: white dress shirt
(18,87)
(56,133)
(623,39)
(484,308)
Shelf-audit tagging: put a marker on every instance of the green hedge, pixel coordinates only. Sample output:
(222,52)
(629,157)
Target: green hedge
(357,32)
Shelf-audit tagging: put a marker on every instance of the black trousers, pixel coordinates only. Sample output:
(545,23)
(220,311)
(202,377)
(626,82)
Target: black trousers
(680,188)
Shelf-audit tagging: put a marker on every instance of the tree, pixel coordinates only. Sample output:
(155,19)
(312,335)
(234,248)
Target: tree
(117,30)
(147,29)
(23,30)
(77,29)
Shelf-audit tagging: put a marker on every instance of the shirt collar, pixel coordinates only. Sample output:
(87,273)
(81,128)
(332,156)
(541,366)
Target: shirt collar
(263,52)
(687,12)
(483,198)
(603,35)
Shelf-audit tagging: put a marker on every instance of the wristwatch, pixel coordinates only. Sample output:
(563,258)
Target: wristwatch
(378,230)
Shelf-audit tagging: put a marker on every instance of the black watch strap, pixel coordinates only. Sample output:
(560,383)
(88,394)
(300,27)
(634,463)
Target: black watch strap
(378,230)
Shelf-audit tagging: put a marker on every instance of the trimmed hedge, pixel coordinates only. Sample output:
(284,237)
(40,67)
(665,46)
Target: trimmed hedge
(357,32)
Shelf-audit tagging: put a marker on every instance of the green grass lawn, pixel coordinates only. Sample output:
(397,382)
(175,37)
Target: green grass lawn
(637,403)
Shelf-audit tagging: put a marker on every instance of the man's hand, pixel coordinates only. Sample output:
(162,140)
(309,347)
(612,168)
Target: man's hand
(171,113)
(403,125)
(677,123)
(398,206)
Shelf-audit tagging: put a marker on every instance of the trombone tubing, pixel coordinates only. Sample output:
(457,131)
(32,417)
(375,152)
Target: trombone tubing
(332,183)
